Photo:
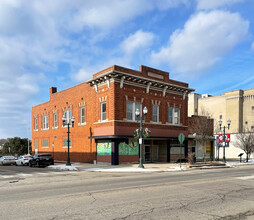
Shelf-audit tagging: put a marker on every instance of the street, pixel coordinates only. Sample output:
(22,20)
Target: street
(38,193)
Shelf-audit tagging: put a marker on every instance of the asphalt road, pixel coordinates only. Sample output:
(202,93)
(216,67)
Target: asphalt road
(40,193)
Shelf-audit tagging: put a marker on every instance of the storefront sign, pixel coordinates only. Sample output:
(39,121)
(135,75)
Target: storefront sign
(227,138)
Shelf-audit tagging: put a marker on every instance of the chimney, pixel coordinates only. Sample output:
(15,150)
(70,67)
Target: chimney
(52,90)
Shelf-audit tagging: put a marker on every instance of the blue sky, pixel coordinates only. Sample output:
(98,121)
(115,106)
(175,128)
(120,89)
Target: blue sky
(206,43)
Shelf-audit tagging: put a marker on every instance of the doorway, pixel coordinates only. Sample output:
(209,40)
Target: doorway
(147,153)
(155,153)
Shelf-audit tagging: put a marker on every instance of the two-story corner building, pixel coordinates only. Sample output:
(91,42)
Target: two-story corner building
(104,110)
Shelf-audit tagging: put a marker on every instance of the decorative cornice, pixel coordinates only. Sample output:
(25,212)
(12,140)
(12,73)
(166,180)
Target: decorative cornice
(126,78)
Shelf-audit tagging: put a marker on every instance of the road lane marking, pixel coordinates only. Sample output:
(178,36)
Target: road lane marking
(25,174)
(7,176)
(245,177)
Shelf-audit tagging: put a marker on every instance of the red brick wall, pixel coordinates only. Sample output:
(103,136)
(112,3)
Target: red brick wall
(128,158)
(104,159)
(83,149)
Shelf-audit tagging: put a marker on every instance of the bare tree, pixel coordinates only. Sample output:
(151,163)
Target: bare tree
(245,141)
(203,127)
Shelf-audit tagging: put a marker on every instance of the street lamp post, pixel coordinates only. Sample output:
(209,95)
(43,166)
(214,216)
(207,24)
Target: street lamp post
(195,135)
(224,138)
(140,118)
(68,122)
(28,141)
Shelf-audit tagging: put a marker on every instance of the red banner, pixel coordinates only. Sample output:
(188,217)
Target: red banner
(227,138)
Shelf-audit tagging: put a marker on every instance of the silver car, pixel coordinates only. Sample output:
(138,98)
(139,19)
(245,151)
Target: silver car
(7,160)
(23,160)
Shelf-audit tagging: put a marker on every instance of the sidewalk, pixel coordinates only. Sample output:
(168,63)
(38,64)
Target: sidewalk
(149,167)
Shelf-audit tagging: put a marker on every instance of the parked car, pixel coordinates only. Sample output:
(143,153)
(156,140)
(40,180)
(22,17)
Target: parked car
(23,160)
(7,160)
(41,160)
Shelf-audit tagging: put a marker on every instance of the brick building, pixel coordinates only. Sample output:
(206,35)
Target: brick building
(104,111)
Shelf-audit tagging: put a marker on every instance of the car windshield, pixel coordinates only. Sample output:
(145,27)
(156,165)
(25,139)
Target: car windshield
(45,155)
(9,157)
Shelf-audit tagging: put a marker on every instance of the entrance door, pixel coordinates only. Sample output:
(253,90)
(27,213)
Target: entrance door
(147,153)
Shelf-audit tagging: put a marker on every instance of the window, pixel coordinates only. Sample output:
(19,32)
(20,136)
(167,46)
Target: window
(155,113)
(130,110)
(82,115)
(103,111)
(170,115)
(35,123)
(66,142)
(174,116)
(45,143)
(67,115)
(45,123)
(55,120)
(252,108)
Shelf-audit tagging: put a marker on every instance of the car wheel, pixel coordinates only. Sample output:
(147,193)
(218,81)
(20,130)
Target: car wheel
(22,164)
(37,164)
(16,164)
(30,164)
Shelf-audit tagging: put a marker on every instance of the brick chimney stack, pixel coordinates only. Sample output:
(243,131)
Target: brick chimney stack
(52,90)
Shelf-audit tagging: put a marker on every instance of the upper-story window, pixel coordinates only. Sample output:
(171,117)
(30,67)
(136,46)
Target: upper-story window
(155,113)
(130,111)
(103,111)
(82,115)
(67,115)
(55,120)
(45,122)
(36,123)
(174,116)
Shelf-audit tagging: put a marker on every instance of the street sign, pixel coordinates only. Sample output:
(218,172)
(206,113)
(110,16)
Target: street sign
(140,140)
(227,138)
(181,138)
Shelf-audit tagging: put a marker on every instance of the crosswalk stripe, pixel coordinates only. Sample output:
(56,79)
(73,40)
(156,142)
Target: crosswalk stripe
(32,174)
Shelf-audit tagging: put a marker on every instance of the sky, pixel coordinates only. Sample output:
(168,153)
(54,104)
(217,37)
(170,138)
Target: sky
(206,43)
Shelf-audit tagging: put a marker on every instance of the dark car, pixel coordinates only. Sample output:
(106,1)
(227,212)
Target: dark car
(41,160)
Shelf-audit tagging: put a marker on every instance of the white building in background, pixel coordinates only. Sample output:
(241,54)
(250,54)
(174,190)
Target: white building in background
(237,105)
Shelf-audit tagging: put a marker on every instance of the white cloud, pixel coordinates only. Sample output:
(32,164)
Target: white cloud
(136,41)
(205,39)
(214,4)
